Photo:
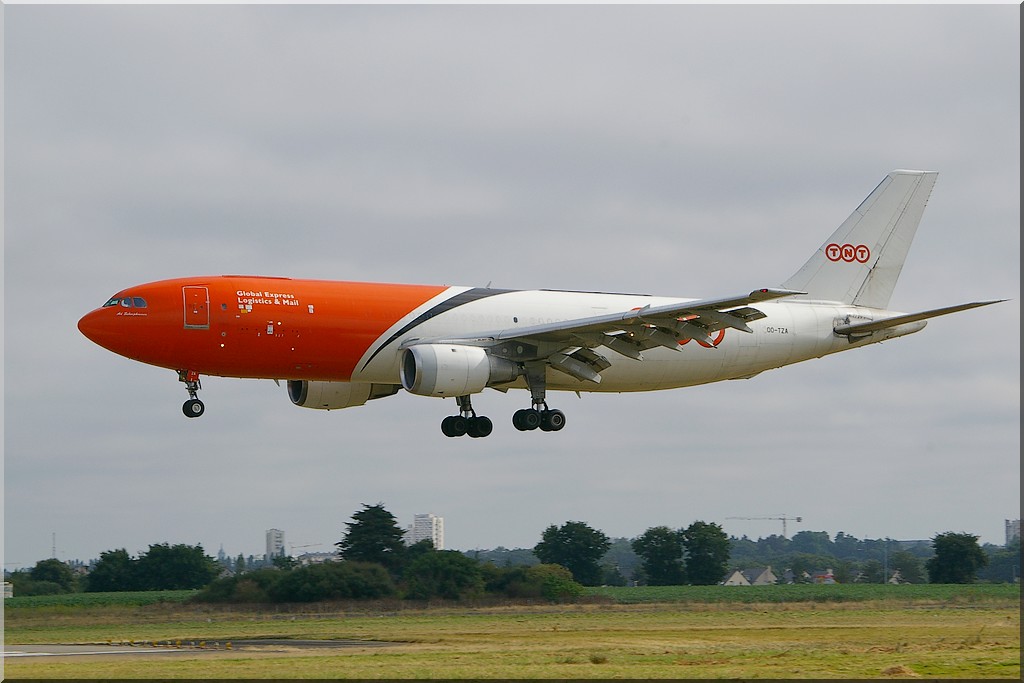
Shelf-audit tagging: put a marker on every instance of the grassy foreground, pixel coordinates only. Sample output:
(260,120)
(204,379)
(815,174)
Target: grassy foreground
(930,634)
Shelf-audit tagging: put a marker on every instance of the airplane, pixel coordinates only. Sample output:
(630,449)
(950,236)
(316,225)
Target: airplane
(340,344)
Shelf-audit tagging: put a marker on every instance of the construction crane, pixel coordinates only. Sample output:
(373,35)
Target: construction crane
(782,519)
(292,546)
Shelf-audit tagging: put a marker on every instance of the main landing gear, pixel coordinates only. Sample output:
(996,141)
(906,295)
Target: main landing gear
(466,422)
(528,419)
(193,407)
(539,415)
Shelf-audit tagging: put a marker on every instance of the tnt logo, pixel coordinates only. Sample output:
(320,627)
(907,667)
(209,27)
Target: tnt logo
(715,341)
(848,252)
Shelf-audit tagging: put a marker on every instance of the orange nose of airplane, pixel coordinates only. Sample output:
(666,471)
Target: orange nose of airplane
(98,326)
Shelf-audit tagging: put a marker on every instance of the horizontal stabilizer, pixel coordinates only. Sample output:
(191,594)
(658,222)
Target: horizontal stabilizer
(876,325)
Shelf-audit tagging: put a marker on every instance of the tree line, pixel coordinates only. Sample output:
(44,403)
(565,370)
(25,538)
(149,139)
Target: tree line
(162,567)
(375,562)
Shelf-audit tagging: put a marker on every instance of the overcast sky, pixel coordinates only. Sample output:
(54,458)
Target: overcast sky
(694,151)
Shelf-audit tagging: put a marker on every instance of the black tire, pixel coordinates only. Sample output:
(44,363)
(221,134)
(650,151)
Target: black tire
(480,427)
(446,426)
(459,425)
(530,419)
(193,408)
(554,419)
(517,420)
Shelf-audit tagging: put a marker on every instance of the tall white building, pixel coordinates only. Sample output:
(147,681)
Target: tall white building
(429,527)
(275,544)
(1012,530)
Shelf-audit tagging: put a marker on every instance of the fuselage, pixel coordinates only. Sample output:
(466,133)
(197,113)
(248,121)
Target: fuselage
(341,344)
(318,330)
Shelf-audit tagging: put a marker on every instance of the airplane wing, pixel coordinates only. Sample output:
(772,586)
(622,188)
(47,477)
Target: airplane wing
(567,345)
(856,329)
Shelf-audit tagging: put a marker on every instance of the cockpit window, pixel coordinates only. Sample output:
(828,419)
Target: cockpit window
(126,302)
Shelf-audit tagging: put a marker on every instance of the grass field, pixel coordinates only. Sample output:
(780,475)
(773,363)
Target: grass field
(928,632)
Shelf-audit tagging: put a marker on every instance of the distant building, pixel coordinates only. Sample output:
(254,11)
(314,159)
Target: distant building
(307,559)
(428,527)
(275,544)
(8,589)
(1012,530)
(824,577)
(762,576)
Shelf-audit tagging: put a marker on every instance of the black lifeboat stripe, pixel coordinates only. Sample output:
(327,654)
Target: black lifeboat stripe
(467,297)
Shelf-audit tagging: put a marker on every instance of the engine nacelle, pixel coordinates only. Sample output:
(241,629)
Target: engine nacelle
(452,370)
(335,395)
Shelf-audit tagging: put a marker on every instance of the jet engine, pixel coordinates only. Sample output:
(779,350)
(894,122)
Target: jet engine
(452,370)
(334,395)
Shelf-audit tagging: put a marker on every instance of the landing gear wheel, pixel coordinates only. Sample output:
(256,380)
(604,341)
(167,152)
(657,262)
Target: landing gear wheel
(193,408)
(552,420)
(466,422)
(479,427)
(526,420)
(454,425)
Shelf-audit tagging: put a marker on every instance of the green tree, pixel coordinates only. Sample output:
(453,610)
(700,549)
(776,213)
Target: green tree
(811,543)
(444,574)
(910,567)
(871,571)
(251,587)
(845,547)
(421,547)
(621,557)
(114,571)
(957,559)
(510,581)
(552,582)
(707,553)
(333,581)
(374,536)
(556,582)
(844,571)
(611,575)
(1003,562)
(575,546)
(175,567)
(53,571)
(284,562)
(24,586)
(661,551)
(811,564)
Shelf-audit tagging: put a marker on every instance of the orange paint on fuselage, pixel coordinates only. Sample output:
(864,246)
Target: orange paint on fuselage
(246,326)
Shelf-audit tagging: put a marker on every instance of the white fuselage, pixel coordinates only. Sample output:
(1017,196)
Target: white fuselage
(791,332)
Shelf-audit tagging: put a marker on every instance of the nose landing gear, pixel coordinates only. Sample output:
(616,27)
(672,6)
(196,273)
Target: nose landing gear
(193,407)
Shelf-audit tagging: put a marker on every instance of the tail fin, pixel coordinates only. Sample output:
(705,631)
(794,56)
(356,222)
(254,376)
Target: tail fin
(861,261)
